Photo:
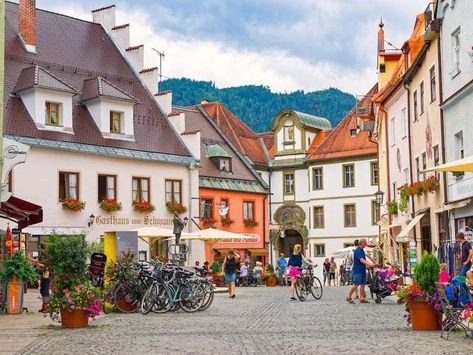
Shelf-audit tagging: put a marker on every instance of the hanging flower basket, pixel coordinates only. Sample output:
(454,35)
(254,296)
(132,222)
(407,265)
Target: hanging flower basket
(250,223)
(431,184)
(227,222)
(176,207)
(73,204)
(209,221)
(392,207)
(416,188)
(143,206)
(110,205)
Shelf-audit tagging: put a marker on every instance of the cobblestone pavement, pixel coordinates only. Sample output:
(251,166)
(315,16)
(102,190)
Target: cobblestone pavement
(258,321)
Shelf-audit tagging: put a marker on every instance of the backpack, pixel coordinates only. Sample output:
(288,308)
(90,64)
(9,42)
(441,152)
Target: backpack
(458,292)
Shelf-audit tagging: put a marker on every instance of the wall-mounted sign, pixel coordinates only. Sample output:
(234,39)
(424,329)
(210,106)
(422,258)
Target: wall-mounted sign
(255,239)
(119,220)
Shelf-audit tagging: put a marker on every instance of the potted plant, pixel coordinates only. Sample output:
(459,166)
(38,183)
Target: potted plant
(73,204)
(422,298)
(250,223)
(143,206)
(392,207)
(73,299)
(416,189)
(403,198)
(16,272)
(227,222)
(110,206)
(209,222)
(269,276)
(176,207)
(431,184)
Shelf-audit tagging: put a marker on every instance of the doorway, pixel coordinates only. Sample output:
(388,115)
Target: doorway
(426,239)
(291,238)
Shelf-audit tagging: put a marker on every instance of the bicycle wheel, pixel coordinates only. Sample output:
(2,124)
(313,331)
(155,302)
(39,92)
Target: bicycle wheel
(191,298)
(209,297)
(301,291)
(128,298)
(162,304)
(316,288)
(149,298)
(108,304)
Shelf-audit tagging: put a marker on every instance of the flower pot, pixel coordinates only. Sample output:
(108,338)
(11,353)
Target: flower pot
(14,296)
(271,282)
(424,316)
(74,319)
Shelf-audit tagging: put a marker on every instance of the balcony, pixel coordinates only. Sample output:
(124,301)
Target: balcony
(432,24)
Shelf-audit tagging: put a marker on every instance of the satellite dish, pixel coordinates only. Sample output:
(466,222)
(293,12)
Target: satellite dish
(223,211)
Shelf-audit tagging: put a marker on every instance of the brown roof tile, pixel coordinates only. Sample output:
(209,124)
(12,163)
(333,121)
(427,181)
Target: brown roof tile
(339,143)
(120,26)
(133,48)
(97,87)
(76,50)
(38,77)
(103,8)
(147,70)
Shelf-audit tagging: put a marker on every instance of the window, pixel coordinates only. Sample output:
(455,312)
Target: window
(416,115)
(318,178)
(289,184)
(353,132)
(456,48)
(173,191)
(224,207)
(116,121)
(206,211)
(68,185)
(319,220)
(459,149)
(374,173)
(374,212)
(9,182)
(394,190)
(225,164)
(417,169)
(53,113)
(319,250)
(424,164)
(421,98)
(107,187)
(393,131)
(348,175)
(289,134)
(433,85)
(406,176)
(140,189)
(436,156)
(248,211)
(350,215)
(382,68)
(404,122)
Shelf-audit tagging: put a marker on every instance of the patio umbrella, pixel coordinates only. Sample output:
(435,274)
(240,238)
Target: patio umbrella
(345,252)
(460,165)
(215,234)
(155,232)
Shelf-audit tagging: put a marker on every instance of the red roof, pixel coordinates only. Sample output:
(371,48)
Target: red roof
(242,136)
(340,143)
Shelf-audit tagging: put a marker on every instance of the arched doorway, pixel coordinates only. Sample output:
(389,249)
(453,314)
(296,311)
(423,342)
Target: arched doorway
(291,238)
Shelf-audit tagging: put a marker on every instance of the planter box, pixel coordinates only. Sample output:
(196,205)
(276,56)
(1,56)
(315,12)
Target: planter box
(74,319)
(424,316)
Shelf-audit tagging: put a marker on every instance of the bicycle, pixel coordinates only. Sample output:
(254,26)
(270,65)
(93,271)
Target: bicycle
(307,283)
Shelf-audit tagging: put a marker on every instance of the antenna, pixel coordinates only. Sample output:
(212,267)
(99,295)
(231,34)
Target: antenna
(161,58)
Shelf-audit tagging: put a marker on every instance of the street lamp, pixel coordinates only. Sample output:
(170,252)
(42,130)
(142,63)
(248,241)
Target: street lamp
(379,197)
(91,219)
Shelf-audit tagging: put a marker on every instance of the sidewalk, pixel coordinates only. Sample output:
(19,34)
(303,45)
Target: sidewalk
(18,331)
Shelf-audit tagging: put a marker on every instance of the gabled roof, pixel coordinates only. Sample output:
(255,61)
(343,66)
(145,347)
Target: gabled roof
(38,77)
(340,143)
(74,50)
(99,87)
(239,133)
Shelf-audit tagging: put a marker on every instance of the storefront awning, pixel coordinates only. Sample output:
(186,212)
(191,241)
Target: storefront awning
(20,211)
(404,234)
(460,165)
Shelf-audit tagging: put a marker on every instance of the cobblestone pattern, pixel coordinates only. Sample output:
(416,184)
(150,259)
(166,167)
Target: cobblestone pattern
(258,321)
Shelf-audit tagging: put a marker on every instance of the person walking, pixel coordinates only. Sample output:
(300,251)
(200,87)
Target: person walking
(281,269)
(359,273)
(326,270)
(44,283)
(332,270)
(466,254)
(295,264)
(229,267)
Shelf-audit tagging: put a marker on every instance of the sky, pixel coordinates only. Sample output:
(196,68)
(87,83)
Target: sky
(287,45)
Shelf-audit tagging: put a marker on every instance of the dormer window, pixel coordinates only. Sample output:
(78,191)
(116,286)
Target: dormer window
(53,113)
(220,157)
(116,119)
(225,164)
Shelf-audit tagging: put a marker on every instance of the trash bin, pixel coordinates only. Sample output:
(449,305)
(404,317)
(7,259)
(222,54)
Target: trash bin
(14,301)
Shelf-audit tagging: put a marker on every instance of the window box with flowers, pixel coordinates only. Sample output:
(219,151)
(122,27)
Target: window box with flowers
(174,207)
(73,204)
(208,222)
(431,184)
(110,206)
(227,222)
(143,206)
(250,223)
(416,189)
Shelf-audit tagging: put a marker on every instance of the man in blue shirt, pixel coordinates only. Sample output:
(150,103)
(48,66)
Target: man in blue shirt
(359,272)
(281,269)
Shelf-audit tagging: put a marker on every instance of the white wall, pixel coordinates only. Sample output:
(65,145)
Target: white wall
(100,109)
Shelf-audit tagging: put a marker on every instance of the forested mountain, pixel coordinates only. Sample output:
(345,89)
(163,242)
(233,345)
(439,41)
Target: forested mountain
(257,105)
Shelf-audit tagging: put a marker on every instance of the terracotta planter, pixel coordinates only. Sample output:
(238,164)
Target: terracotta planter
(424,316)
(15,296)
(74,319)
(271,282)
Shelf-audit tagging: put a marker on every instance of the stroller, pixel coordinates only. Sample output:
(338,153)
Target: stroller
(382,283)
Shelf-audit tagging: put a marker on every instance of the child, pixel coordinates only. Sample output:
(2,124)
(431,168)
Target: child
(444,277)
(258,272)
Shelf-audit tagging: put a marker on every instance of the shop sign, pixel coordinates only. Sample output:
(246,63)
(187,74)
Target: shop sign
(461,189)
(255,239)
(118,220)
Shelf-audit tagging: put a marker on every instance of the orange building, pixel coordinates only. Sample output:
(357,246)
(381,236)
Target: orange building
(232,194)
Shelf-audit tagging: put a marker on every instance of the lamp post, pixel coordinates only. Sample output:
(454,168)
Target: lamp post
(379,197)
(91,220)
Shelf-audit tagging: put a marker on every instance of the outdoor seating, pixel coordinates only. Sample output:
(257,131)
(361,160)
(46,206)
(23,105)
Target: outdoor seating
(452,316)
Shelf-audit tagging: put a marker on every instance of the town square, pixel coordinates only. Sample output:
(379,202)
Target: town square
(250,177)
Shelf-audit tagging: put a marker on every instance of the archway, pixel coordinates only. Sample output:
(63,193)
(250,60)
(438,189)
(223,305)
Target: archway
(291,238)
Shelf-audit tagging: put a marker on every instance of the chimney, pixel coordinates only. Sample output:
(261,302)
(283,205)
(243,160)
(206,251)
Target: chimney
(27,24)
(381,36)
(204,101)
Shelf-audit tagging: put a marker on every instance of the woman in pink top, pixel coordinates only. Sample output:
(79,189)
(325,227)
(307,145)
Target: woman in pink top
(444,277)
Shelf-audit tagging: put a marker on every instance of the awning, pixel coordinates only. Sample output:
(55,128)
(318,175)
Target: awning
(49,230)
(460,165)
(20,211)
(453,205)
(404,234)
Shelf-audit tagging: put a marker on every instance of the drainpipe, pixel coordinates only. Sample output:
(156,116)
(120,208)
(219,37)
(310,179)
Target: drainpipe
(264,221)
(270,217)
